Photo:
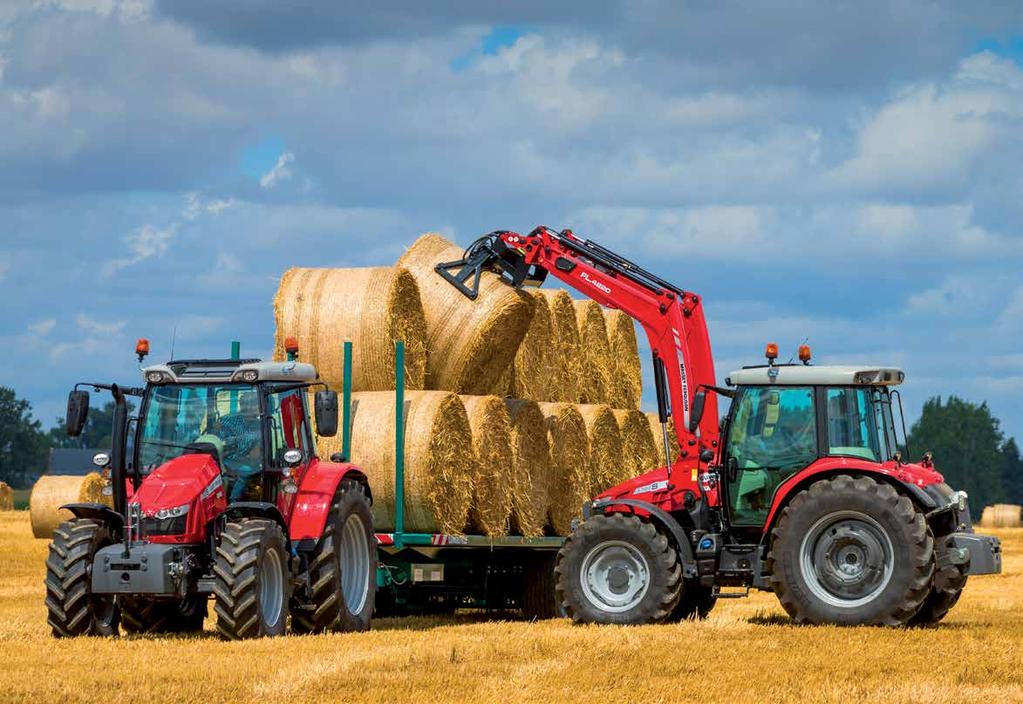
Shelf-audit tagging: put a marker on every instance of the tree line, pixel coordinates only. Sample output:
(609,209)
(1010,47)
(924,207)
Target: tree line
(967,442)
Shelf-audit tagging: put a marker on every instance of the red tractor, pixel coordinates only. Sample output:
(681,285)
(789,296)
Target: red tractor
(217,492)
(801,489)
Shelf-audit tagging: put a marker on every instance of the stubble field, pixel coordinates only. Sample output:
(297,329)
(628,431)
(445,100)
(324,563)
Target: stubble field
(747,651)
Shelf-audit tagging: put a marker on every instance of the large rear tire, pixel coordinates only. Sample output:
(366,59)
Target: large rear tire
(851,551)
(140,615)
(253,580)
(342,570)
(72,609)
(619,569)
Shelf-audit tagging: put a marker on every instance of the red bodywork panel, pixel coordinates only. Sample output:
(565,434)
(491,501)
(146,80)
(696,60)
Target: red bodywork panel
(182,481)
(315,493)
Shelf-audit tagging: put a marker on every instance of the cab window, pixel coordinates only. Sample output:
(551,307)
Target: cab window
(852,425)
(288,423)
(772,435)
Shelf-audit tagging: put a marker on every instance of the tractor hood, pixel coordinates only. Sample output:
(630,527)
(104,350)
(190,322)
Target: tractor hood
(179,482)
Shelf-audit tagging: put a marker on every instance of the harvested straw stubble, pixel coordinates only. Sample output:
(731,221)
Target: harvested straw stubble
(566,431)
(439,462)
(639,451)
(6,497)
(1001,516)
(655,429)
(532,374)
(563,355)
(372,307)
(604,468)
(531,463)
(493,480)
(52,491)
(594,353)
(626,372)
(470,343)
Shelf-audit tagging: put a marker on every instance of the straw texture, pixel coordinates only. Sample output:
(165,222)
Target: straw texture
(566,432)
(1001,516)
(372,307)
(6,497)
(655,430)
(493,481)
(534,374)
(563,353)
(639,451)
(531,465)
(471,343)
(595,353)
(50,492)
(626,387)
(439,461)
(604,469)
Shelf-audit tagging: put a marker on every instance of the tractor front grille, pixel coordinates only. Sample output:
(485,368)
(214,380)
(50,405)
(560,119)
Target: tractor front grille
(164,526)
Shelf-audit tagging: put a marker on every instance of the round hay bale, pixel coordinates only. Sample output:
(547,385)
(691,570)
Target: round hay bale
(6,497)
(1001,516)
(639,451)
(531,464)
(51,492)
(470,343)
(569,486)
(563,355)
(439,462)
(532,374)
(626,372)
(372,307)
(604,468)
(491,503)
(655,430)
(594,353)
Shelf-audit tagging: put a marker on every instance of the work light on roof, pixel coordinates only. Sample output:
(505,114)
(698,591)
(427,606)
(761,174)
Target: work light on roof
(142,348)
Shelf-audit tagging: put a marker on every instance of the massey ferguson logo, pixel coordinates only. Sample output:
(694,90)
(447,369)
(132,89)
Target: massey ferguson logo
(596,283)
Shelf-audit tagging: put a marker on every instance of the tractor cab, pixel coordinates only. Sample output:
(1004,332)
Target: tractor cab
(783,418)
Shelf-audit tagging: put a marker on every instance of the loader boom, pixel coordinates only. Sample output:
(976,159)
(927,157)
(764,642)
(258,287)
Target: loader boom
(671,317)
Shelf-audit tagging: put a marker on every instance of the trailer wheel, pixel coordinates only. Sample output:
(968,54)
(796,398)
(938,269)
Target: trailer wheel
(696,602)
(948,587)
(140,615)
(851,551)
(72,608)
(619,569)
(253,580)
(539,601)
(342,570)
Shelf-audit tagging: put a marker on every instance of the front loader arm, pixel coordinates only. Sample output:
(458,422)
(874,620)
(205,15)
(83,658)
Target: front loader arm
(672,318)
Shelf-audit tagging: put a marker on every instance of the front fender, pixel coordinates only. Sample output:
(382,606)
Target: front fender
(98,512)
(315,495)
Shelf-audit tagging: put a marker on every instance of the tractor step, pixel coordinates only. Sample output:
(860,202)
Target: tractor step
(718,594)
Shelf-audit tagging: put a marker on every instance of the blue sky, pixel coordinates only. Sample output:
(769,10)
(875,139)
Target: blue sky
(846,173)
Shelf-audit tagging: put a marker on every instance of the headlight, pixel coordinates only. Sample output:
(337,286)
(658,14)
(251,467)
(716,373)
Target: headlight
(959,499)
(156,377)
(164,513)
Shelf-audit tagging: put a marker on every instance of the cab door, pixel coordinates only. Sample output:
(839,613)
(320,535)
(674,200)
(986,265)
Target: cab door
(772,434)
(289,430)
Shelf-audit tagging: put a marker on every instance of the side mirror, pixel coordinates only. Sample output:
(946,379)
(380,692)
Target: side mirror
(326,413)
(77,412)
(696,411)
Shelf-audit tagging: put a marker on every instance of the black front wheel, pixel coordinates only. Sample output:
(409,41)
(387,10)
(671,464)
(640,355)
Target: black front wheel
(72,609)
(620,569)
(253,580)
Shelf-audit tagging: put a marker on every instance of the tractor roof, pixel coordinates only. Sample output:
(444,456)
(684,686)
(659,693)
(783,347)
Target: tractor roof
(800,375)
(219,371)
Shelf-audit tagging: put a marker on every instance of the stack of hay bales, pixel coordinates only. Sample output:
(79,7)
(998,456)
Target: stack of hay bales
(6,497)
(1001,516)
(522,404)
(51,492)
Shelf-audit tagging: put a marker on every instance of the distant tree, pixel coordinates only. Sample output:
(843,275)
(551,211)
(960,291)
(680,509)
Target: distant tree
(23,444)
(967,445)
(97,431)
(1012,472)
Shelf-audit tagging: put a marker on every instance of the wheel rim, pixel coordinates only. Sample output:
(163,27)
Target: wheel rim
(271,588)
(354,564)
(847,559)
(615,576)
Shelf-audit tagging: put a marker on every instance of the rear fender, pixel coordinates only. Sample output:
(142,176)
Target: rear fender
(316,494)
(659,517)
(834,466)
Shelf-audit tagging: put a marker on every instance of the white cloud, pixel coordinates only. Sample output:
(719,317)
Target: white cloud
(955,294)
(195,206)
(41,328)
(99,328)
(144,243)
(281,171)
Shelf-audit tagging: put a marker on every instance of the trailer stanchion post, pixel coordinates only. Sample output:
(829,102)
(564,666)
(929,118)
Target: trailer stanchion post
(399,443)
(346,403)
